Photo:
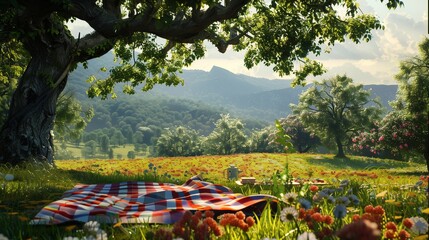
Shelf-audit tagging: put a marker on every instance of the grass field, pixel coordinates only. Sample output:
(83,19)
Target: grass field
(76,152)
(397,187)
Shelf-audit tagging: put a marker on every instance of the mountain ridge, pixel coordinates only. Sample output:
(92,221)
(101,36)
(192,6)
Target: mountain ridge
(243,96)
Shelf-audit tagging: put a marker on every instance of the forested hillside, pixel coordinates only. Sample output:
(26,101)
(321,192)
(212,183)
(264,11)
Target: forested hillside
(243,96)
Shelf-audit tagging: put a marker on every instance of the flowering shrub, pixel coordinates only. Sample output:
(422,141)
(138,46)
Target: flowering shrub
(396,136)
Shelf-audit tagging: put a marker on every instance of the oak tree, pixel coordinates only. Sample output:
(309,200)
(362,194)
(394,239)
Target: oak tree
(335,109)
(152,40)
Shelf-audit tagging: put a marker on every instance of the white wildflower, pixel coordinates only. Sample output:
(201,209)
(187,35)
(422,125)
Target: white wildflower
(307,236)
(289,197)
(288,214)
(91,227)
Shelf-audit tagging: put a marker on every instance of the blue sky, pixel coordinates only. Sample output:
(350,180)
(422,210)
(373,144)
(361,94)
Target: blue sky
(375,62)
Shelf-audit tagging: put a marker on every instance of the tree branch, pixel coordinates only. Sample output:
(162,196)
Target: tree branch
(111,26)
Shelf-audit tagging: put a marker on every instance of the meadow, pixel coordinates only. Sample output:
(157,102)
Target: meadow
(385,198)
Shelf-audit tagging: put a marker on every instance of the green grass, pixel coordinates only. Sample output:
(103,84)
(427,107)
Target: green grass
(76,152)
(36,185)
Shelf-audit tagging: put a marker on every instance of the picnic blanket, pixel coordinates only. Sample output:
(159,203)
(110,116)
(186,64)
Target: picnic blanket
(146,202)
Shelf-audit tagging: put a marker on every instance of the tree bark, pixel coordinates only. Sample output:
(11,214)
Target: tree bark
(340,153)
(426,145)
(27,132)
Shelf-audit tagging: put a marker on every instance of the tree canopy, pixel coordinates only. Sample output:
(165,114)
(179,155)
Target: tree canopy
(335,109)
(152,40)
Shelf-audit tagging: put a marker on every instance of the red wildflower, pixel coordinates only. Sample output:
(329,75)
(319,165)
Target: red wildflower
(389,234)
(378,210)
(314,188)
(317,217)
(363,229)
(408,223)
(369,209)
(250,221)
(403,235)
(209,214)
(328,220)
(240,215)
(391,226)
(355,217)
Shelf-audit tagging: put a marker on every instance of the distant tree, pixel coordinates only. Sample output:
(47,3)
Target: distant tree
(228,137)
(117,138)
(138,141)
(131,154)
(335,109)
(104,144)
(301,138)
(154,40)
(111,153)
(179,141)
(262,141)
(89,149)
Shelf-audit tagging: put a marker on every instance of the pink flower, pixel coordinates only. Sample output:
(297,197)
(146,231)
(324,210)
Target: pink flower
(381,138)
(401,147)
(395,135)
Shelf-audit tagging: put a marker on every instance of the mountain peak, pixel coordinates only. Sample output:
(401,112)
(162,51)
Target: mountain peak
(216,69)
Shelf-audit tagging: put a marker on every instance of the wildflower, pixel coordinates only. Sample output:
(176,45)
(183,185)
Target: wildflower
(354,199)
(209,214)
(343,200)
(102,235)
(389,234)
(250,221)
(378,210)
(91,227)
(65,238)
(420,225)
(289,197)
(9,177)
(369,209)
(403,235)
(288,214)
(344,183)
(240,215)
(391,226)
(304,203)
(314,188)
(340,211)
(330,199)
(362,229)
(408,222)
(328,220)
(307,236)
(317,217)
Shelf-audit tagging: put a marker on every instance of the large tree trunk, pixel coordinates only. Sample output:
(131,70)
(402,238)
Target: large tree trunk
(339,143)
(426,147)
(27,132)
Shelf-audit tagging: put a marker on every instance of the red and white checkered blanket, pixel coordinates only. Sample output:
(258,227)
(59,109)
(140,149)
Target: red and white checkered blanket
(145,202)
